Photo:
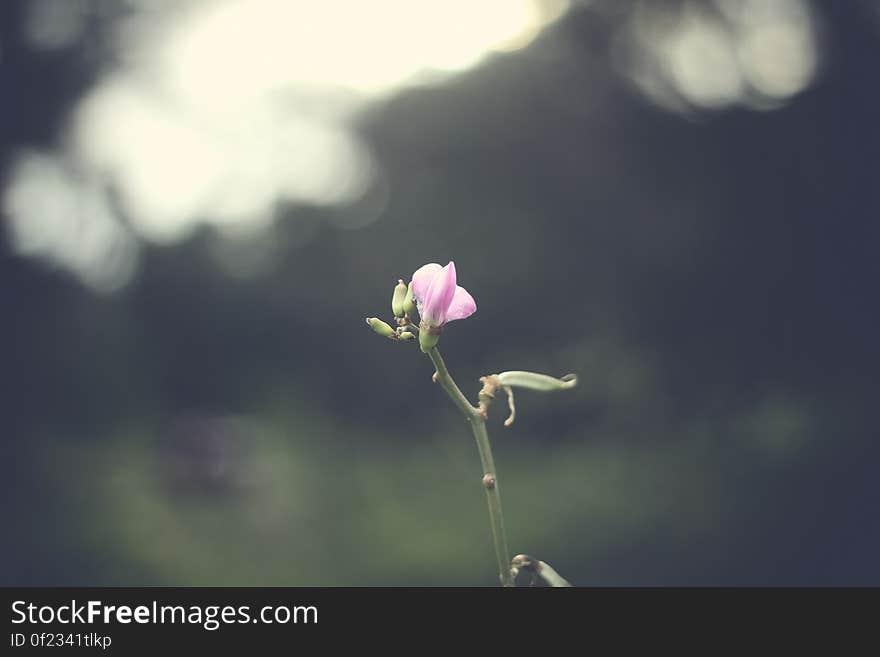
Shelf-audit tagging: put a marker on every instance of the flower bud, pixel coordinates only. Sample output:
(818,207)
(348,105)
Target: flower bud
(406,335)
(380,327)
(409,303)
(397,298)
(534,381)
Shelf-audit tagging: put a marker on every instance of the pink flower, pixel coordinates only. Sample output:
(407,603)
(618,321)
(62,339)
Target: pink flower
(438,298)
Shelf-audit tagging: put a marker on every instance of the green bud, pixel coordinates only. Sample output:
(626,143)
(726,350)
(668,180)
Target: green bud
(397,298)
(380,327)
(534,381)
(427,339)
(409,304)
(406,335)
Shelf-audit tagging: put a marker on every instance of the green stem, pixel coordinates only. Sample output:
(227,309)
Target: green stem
(490,478)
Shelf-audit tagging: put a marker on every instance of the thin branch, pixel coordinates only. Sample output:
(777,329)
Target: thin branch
(476,419)
(542,569)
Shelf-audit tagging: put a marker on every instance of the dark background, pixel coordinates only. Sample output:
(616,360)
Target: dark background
(708,269)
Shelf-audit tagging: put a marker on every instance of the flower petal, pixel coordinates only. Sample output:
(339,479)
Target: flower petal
(439,296)
(462,306)
(422,279)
